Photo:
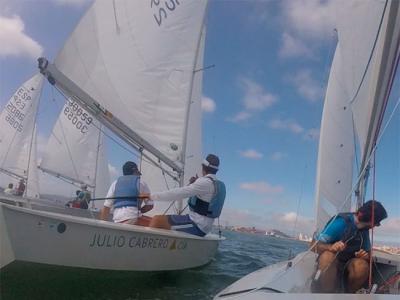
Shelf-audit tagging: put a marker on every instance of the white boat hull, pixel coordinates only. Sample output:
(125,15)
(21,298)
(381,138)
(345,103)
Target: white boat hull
(292,280)
(278,278)
(57,239)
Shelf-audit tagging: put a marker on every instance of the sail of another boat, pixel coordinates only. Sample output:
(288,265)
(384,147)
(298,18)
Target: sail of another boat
(76,150)
(18,135)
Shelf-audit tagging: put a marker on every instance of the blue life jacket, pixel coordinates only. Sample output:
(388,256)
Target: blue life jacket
(213,208)
(127,191)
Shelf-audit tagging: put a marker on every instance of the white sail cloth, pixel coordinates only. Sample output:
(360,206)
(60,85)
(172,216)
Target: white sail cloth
(157,180)
(355,99)
(76,149)
(17,133)
(137,60)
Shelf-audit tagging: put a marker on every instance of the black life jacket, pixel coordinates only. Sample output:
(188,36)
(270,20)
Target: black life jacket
(352,237)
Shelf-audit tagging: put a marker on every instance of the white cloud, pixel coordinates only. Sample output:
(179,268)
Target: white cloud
(251,153)
(306,86)
(261,187)
(255,97)
(278,155)
(207,104)
(306,24)
(72,2)
(290,125)
(292,47)
(291,219)
(389,227)
(313,19)
(241,116)
(14,41)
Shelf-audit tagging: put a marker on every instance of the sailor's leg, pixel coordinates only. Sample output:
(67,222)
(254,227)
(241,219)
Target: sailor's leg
(143,221)
(160,221)
(327,263)
(357,274)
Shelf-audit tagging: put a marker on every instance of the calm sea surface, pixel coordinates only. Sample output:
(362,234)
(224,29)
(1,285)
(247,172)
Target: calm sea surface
(237,256)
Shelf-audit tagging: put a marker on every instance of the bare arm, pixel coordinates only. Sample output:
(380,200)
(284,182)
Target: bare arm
(105,211)
(320,247)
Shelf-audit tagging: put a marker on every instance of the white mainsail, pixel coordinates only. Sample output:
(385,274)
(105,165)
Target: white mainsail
(193,151)
(136,60)
(17,133)
(76,150)
(368,39)
(336,148)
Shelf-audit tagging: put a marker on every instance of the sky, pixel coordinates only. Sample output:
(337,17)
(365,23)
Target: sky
(262,102)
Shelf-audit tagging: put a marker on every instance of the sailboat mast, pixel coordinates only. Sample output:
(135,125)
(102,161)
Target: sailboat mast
(31,145)
(96,166)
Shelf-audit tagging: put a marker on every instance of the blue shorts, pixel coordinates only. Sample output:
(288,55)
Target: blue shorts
(185,224)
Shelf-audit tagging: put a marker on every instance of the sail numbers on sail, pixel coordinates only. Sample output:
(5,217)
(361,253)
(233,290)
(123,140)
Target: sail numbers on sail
(78,117)
(15,108)
(162,11)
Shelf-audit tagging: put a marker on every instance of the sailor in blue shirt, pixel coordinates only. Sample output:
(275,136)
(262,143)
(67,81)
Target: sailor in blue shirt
(343,247)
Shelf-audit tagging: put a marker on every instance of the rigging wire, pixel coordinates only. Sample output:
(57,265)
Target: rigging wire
(122,146)
(373,223)
(299,199)
(139,156)
(347,197)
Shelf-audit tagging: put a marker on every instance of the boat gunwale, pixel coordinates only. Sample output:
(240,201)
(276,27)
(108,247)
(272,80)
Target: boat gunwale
(111,225)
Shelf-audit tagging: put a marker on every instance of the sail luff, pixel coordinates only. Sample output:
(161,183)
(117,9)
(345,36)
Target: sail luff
(190,94)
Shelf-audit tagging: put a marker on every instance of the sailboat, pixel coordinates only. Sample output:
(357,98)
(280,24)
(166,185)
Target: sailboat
(74,148)
(18,135)
(361,77)
(137,68)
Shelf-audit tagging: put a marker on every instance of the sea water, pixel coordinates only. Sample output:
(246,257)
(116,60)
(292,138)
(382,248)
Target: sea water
(237,256)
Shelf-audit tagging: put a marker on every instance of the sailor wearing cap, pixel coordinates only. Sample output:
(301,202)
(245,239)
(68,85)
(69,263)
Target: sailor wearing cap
(124,194)
(206,199)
